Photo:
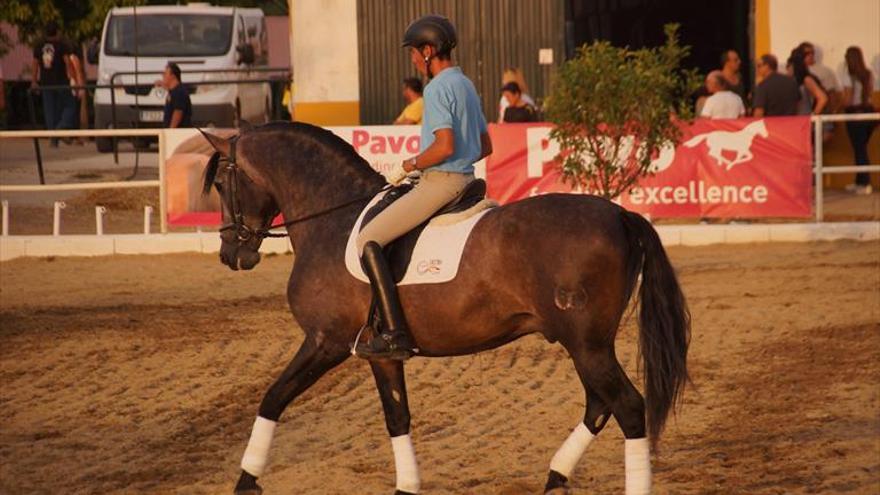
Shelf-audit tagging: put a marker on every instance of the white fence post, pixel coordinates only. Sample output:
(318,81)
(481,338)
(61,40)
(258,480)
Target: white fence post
(56,217)
(148,213)
(99,219)
(5,228)
(819,162)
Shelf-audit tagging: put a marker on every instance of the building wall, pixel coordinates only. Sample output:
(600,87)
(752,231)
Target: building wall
(493,35)
(832,25)
(324,56)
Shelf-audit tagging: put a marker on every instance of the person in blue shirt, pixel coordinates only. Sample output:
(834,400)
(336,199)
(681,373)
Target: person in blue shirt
(454,136)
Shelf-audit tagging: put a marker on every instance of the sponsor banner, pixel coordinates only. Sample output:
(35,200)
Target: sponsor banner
(723,168)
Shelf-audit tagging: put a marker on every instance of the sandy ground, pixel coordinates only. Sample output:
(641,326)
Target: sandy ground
(143,374)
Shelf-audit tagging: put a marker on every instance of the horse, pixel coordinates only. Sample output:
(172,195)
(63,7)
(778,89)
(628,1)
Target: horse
(740,142)
(561,265)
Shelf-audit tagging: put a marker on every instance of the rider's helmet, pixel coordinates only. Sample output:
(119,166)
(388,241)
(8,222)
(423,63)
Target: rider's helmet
(434,30)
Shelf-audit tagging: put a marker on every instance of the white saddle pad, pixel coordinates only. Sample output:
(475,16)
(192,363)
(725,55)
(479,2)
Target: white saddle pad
(435,258)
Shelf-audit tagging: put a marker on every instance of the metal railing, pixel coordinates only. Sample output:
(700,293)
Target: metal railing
(113,86)
(129,184)
(820,170)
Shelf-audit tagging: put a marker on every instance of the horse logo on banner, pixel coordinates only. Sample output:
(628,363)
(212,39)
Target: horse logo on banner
(739,142)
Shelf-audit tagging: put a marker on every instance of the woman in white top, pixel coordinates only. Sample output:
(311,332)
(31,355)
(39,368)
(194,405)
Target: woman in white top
(515,75)
(858,82)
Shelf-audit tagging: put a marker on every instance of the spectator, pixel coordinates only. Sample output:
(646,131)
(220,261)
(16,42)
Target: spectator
(52,67)
(776,94)
(858,82)
(518,110)
(723,103)
(813,97)
(178,107)
(2,100)
(515,75)
(829,83)
(412,94)
(825,75)
(730,65)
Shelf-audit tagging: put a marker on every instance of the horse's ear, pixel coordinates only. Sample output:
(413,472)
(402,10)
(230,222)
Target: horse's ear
(220,144)
(244,125)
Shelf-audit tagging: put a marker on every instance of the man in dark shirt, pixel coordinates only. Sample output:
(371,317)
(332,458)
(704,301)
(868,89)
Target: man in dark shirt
(777,94)
(52,67)
(178,107)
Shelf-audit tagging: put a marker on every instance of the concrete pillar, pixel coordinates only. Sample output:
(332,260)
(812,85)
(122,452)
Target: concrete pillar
(324,58)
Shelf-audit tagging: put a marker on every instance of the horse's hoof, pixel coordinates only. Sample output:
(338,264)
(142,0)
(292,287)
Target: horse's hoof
(398,492)
(557,484)
(247,485)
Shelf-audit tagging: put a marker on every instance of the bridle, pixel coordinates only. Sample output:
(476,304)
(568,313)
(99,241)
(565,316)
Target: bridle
(244,233)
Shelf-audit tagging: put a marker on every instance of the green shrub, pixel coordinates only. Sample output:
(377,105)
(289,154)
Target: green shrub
(615,108)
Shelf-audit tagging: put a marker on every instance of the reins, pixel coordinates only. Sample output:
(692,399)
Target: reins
(245,233)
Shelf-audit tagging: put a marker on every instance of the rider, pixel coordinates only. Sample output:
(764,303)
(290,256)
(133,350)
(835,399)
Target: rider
(454,137)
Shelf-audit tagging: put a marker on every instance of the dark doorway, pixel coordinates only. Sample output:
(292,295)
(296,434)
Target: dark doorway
(708,27)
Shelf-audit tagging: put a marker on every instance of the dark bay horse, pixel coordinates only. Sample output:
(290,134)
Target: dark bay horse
(560,265)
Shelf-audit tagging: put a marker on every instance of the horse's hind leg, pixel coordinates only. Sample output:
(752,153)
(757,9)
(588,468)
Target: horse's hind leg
(391,383)
(310,363)
(601,374)
(564,461)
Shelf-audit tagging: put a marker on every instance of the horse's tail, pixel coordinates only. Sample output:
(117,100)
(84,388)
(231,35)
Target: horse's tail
(664,322)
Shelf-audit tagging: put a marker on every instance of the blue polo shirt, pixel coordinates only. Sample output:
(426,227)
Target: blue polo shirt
(451,102)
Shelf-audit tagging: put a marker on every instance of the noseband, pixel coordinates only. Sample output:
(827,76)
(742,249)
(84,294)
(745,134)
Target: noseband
(243,232)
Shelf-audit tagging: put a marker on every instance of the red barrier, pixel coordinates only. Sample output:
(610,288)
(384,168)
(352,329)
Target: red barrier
(723,168)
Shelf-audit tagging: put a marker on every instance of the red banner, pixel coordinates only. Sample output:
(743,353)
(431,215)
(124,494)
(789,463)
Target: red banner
(723,168)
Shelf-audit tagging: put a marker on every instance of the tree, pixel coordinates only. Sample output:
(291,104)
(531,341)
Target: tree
(82,21)
(616,108)
(79,21)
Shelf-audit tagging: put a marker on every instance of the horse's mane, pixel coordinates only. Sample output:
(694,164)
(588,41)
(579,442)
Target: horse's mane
(300,135)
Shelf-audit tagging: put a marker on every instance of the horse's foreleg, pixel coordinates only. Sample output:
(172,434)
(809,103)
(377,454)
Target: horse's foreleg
(566,458)
(310,363)
(391,383)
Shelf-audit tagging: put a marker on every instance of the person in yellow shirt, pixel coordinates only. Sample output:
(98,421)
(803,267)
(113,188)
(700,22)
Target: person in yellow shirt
(412,94)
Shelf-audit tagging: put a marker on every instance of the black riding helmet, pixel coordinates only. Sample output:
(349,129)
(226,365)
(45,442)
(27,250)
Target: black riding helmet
(434,30)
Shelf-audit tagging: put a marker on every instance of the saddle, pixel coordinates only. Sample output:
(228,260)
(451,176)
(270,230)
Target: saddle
(399,252)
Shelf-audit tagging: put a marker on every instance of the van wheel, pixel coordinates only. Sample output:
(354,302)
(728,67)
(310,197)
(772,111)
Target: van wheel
(236,115)
(104,144)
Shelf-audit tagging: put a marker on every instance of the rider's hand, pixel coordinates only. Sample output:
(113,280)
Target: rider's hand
(396,175)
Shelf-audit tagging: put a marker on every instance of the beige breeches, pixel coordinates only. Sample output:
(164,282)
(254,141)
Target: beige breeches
(434,191)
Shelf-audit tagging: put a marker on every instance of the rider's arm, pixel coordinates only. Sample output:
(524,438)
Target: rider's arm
(442,148)
(485,146)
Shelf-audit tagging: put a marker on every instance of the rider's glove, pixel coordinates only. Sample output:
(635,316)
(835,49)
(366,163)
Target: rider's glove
(396,175)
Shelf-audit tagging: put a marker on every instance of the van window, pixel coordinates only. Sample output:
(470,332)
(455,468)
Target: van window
(169,35)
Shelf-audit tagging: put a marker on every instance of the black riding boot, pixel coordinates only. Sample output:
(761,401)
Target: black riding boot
(393,341)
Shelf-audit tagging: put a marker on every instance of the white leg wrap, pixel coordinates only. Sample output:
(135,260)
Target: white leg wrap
(572,449)
(256,455)
(637,456)
(405,464)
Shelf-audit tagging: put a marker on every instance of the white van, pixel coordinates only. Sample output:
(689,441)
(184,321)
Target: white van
(204,41)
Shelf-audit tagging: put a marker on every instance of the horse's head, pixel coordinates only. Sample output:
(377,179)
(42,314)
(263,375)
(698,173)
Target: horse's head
(760,128)
(246,203)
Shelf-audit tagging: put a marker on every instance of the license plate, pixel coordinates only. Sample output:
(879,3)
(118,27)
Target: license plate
(151,115)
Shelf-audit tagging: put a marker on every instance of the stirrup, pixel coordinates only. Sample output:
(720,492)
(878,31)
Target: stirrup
(381,347)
